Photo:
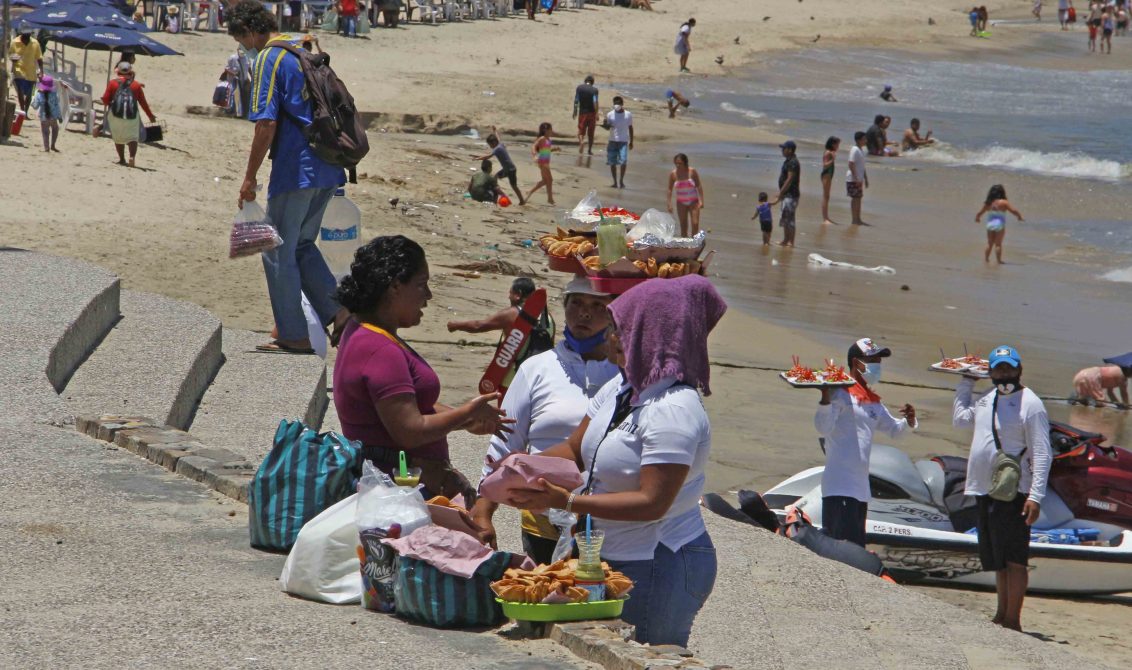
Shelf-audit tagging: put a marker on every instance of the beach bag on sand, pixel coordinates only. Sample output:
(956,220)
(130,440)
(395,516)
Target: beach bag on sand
(427,595)
(323,565)
(336,133)
(304,473)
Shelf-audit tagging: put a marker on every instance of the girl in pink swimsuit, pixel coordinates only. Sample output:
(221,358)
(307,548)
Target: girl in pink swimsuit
(685,182)
(541,150)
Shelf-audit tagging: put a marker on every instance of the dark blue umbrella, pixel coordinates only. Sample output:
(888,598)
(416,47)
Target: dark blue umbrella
(103,38)
(36,4)
(71,15)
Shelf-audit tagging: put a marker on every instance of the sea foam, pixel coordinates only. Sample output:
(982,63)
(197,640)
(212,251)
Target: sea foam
(733,109)
(1066,164)
(1124,275)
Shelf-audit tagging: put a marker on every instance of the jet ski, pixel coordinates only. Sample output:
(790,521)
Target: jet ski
(921,525)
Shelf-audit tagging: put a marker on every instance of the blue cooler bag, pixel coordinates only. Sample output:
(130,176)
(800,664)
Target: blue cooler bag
(305,473)
(430,596)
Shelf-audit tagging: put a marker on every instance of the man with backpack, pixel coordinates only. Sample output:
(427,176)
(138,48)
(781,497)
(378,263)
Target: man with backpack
(307,124)
(122,98)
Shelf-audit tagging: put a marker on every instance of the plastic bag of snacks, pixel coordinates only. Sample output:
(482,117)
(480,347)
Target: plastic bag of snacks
(252,233)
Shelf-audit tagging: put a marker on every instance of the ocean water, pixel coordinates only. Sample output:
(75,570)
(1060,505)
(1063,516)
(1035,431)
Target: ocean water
(1043,120)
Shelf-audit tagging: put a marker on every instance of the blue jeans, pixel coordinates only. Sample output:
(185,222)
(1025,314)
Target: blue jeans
(296,266)
(669,590)
(350,26)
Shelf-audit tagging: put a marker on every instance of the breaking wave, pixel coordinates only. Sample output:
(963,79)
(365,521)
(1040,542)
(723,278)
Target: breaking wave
(1069,164)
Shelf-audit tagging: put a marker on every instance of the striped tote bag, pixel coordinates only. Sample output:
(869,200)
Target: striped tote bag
(430,596)
(305,473)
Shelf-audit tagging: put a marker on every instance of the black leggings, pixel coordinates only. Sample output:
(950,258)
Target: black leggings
(512,176)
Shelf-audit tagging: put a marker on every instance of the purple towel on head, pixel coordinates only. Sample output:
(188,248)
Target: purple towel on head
(522,471)
(663,326)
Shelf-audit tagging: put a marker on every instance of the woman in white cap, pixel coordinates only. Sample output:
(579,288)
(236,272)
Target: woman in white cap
(847,419)
(548,399)
(123,97)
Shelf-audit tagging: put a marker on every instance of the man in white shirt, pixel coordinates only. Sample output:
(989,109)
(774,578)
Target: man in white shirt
(619,122)
(856,179)
(1014,419)
(848,419)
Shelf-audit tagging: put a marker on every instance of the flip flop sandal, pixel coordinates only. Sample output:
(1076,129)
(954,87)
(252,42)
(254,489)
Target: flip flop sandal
(276,348)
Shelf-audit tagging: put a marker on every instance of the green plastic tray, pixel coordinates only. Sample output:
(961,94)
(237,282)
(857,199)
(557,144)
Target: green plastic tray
(600,609)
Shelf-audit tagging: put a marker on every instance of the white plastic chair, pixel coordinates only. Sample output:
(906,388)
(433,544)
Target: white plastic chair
(483,9)
(78,106)
(426,8)
(452,10)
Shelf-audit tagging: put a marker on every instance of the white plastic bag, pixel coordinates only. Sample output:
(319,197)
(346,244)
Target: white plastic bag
(252,233)
(383,510)
(323,565)
(586,205)
(655,222)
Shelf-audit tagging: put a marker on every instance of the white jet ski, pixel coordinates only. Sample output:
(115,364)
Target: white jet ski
(918,517)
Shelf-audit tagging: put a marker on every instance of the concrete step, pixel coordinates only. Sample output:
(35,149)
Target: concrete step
(253,392)
(156,362)
(55,311)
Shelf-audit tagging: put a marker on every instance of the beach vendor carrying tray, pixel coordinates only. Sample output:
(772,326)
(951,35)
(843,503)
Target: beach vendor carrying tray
(968,365)
(832,376)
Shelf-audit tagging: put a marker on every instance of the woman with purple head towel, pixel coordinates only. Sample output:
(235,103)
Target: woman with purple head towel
(644,443)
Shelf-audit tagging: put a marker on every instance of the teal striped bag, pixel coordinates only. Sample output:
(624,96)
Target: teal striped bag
(430,596)
(305,473)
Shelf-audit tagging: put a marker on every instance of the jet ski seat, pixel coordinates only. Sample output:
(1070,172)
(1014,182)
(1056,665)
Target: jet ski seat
(893,476)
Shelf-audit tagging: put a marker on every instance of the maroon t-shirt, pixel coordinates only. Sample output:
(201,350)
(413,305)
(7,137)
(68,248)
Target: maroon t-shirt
(371,367)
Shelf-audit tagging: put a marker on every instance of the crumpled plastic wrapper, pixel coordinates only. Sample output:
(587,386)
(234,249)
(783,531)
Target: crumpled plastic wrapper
(650,241)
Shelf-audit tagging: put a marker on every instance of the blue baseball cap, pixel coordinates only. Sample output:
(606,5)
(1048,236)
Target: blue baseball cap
(788,144)
(1005,354)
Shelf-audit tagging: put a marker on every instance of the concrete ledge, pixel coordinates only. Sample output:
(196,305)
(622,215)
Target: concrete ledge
(83,335)
(608,644)
(221,470)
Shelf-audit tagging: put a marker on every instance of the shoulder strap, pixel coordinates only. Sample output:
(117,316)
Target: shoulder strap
(994,428)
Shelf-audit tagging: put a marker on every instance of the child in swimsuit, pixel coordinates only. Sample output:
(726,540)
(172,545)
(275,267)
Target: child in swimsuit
(828,166)
(541,150)
(765,214)
(997,206)
(684,181)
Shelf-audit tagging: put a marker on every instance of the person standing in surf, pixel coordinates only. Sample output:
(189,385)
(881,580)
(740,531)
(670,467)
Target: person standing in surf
(683,45)
(684,181)
(996,208)
(788,191)
(828,167)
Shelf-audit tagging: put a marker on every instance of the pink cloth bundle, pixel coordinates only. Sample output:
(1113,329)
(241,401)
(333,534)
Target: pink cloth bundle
(520,472)
(449,551)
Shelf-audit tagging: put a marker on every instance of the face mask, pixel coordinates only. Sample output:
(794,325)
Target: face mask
(618,108)
(585,345)
(871,375)
(1008,385)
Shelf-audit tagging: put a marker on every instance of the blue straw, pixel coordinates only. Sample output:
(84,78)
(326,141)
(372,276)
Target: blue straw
(589,520)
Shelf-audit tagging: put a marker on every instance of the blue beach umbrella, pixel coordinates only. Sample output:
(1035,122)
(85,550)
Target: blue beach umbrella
(107,38)
(37,4)
(72,15)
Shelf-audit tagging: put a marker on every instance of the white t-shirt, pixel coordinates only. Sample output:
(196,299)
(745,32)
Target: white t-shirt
(619,125)
(848,426)
(668,424)
(1022,424)
(548,398)
(857,160)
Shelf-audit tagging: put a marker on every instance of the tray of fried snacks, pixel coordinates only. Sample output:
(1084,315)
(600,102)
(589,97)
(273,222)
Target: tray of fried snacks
(563,250)
(548,593)
(969,365)
(831,376)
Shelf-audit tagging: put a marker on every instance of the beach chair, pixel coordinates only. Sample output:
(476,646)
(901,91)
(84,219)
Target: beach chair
(77,105)
(453,9)
(426,8)
(483,9)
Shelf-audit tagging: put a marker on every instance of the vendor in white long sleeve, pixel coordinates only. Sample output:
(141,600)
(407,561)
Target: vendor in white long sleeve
(1022,427)
(848,419)
(548,399)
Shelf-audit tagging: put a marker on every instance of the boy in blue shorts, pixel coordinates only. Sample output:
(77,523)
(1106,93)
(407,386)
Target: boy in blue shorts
(766,217)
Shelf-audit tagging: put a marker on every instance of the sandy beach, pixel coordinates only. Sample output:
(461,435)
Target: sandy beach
(163,227)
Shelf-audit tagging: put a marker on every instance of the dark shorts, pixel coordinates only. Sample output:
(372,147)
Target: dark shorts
(587,123)
(843,518)
(1095,23)
(1107,32)
(24,87)
(789,210)
(1004,536)
(540,549)
(855,189)
(766,226)
(509,173)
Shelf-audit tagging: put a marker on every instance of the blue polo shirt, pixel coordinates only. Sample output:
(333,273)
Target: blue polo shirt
(279,86)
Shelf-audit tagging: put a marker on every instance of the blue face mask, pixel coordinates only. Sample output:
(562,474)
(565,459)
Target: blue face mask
(586,345)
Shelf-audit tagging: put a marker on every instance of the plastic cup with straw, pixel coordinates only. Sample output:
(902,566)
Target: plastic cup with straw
(406,476)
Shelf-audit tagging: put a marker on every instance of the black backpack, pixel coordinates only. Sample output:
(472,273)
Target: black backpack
(335,134)
(124,104)
(541,338)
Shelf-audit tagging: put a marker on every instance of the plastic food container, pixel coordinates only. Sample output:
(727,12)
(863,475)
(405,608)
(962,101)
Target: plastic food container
(568,264)
(615,285)
(601,609)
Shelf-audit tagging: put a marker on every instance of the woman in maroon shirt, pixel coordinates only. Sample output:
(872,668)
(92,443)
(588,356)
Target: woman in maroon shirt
(385,392)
